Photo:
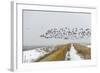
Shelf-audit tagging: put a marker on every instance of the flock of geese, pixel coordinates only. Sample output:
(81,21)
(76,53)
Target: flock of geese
(76,52)
(67,33)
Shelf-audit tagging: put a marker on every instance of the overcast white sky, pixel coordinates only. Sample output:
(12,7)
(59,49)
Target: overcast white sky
(36,23)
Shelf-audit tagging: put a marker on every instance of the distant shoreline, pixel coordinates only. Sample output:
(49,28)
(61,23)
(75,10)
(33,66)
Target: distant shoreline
(25,48)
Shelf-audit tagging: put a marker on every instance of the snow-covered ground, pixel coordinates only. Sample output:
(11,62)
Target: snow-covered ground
(33,55)
(72,54)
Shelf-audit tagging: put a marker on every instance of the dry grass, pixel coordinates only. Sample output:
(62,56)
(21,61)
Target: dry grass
(57,55)
(83,51)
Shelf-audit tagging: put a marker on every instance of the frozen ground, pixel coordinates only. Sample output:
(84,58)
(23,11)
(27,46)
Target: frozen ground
(33,55)
(72,54)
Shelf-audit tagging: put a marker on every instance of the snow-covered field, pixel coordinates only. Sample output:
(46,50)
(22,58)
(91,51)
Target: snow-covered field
(33,55)
(72,54)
